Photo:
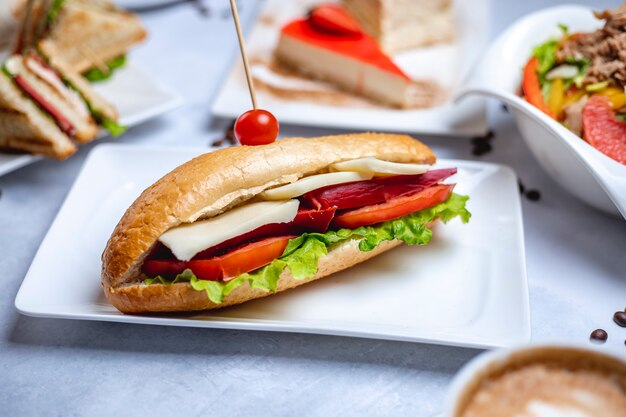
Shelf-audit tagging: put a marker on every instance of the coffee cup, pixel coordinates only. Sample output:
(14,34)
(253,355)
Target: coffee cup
(552,380)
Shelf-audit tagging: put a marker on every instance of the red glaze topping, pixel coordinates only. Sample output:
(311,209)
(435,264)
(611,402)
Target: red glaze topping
(363,48)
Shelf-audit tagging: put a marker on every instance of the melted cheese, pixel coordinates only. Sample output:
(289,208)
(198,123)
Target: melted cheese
(311,183)
(187,240)
(378,168)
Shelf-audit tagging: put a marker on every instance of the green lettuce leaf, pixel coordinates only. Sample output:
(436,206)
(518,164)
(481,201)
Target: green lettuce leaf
(54,10)
(112,126)
(302,254)
(97,74)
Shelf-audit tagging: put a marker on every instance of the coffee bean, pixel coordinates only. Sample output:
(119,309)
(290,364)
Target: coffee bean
(481,149)
(533,195)
(599,336)
(218,142)
(620,318)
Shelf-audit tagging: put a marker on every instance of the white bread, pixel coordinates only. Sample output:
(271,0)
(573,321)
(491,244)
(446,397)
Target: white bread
(218,181)
(97,102)
(24,127)
(87,34)
(85,126)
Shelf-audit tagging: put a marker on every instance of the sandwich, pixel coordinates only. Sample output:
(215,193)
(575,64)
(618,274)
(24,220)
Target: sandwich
(46,106)
(245,222)
(90,36)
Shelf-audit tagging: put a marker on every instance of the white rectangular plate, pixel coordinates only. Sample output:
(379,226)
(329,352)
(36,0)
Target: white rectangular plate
(467,287)
(449,64)
(136,94)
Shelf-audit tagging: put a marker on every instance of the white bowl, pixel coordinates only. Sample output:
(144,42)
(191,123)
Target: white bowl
(582,170)
(492,362)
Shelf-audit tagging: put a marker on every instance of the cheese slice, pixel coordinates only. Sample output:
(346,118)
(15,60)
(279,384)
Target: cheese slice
(379,168)
(188,240)
(313,182)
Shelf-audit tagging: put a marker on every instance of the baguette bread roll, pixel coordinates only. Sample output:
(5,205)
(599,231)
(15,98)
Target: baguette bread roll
(215,182)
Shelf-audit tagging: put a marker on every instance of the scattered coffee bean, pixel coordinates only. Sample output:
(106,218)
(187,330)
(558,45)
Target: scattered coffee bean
(620,318)
(230,134)
(533,195)
(521,187)
(217,143)
(482,144)
(481,149)
(599,335)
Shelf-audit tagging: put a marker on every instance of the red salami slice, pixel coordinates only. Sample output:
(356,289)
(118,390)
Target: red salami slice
(602,130)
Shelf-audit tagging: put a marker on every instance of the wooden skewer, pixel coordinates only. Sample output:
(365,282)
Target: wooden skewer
(244,55)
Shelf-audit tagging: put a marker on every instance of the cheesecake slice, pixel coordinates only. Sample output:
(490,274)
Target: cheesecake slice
(352,61)
(404,24)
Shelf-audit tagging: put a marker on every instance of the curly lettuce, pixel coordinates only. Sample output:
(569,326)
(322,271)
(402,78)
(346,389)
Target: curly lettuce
(302,254)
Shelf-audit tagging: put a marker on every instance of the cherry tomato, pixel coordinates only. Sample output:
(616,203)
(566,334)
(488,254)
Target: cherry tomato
(394,208)
(256,127)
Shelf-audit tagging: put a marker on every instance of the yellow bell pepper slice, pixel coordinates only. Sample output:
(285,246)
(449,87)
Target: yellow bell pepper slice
(555,99)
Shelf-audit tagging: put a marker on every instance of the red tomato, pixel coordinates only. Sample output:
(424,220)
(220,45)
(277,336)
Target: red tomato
(602,130)
(241,260)
(333,19)
(532,88)
(394,208)
(236,262)
(256,127)
(378,190)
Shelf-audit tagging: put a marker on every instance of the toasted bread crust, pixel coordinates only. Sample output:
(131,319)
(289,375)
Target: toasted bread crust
(217,181)
(142,298)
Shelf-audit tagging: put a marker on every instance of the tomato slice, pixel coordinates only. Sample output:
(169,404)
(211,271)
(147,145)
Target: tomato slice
(241,260)
(236,262)
(532,88)
(394,208)
(378,190)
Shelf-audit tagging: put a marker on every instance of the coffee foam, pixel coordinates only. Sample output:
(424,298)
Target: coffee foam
(548,383)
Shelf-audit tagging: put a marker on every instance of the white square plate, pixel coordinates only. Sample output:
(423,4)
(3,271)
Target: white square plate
(448,64)
(137,95)
(467,287)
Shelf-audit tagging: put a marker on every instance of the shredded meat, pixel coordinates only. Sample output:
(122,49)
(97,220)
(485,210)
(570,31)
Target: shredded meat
(605,48)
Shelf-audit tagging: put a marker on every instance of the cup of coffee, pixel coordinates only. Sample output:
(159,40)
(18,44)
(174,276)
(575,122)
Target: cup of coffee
(541,381)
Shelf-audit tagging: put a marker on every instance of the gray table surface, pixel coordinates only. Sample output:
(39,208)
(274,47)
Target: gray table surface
(575,256)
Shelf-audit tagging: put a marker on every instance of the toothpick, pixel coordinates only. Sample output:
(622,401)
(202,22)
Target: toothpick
(244,56)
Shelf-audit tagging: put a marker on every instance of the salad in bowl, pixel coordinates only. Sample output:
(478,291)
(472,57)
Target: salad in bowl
(579,79)
(564,86)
